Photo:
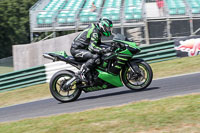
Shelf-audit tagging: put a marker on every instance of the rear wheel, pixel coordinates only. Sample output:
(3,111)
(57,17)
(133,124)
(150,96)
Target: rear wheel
(59,92)
(135,81)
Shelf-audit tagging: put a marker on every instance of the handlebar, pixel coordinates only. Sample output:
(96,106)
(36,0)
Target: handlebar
(116,45)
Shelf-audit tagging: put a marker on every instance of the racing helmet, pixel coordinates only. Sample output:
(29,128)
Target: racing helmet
(105,26)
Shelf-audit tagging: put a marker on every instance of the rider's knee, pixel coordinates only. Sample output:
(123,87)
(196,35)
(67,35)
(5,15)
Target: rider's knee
(96,58)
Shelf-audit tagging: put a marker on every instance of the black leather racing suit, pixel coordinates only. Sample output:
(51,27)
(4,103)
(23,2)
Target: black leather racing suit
(85,46)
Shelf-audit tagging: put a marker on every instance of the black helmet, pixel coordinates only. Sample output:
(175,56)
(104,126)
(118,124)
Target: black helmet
(105,26)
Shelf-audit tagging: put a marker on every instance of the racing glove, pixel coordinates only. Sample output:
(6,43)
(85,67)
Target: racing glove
(106,50)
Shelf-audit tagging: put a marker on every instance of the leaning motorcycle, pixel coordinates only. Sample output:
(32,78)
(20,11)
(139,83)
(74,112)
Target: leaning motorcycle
(117,68)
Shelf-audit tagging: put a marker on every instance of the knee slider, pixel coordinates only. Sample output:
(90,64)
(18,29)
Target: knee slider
(97,61)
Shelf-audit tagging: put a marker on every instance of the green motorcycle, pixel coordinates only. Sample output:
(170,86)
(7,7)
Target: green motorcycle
(118,68)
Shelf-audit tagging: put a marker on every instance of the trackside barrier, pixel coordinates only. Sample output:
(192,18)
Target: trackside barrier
(23,78)
(158,52)
(42,74)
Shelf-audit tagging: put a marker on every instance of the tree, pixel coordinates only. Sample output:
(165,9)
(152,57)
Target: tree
(14,24)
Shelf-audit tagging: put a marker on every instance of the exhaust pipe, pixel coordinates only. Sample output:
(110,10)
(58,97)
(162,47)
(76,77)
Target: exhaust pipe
(48,56)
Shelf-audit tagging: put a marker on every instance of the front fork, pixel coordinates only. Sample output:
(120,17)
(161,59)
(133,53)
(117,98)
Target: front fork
(135,68)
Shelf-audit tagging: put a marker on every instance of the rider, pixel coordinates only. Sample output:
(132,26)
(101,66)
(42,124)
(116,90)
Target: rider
(85,46)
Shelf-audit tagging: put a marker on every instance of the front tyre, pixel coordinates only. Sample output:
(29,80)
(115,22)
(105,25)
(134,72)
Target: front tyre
(137,82)
(57,89)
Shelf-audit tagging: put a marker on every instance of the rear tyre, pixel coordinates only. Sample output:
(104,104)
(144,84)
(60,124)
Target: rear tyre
(137,82)
(57,89)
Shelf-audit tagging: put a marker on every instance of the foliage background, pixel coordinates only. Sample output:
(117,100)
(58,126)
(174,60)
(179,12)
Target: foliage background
(14,24)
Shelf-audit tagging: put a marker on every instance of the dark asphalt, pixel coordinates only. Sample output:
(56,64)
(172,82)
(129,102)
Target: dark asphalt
(160,88)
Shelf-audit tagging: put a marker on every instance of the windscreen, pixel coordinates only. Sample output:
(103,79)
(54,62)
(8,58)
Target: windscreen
(119,37)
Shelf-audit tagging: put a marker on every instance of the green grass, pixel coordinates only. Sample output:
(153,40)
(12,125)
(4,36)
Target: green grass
(160,69)
(169,115)
(24,95)
(176,67)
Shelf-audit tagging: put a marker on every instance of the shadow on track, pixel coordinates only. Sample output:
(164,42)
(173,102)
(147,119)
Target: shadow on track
(111,94)
(116,93)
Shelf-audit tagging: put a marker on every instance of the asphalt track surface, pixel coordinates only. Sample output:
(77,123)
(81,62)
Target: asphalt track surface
(160,88)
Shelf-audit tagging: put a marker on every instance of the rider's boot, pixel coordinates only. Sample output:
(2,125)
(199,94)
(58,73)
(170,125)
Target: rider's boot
(90,78)
(82,73)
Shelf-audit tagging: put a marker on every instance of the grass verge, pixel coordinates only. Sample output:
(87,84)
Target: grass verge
(24,95)
(160,69)
(175,114)
(176,67)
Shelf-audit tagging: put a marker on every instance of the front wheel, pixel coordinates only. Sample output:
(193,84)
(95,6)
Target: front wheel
(135,81)
(59,92)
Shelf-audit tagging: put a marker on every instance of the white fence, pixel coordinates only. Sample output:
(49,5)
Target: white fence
(52,68)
